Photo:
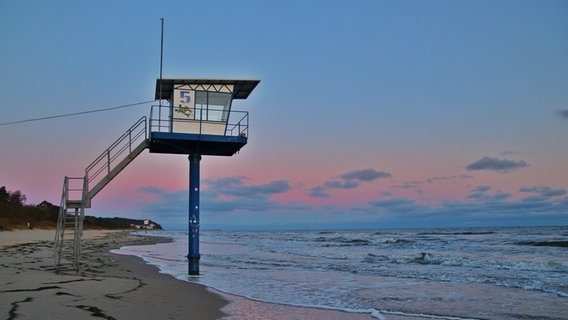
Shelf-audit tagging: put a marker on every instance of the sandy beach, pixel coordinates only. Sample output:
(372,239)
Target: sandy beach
(108,286)
(112,286)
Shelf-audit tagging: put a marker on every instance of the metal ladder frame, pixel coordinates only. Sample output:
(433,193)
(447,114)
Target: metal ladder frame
(112,161)
(67,219)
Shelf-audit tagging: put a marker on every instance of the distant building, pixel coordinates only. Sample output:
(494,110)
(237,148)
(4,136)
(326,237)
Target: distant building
(45,205)
(147,225)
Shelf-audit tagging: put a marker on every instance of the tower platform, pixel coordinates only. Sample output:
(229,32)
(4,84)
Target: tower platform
(188,143)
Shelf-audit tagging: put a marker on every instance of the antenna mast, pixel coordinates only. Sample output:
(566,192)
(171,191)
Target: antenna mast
(161,63)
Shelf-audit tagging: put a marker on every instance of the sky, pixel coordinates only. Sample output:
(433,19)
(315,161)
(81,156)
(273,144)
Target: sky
(369,114)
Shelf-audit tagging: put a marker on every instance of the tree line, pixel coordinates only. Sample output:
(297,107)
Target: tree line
(16,214)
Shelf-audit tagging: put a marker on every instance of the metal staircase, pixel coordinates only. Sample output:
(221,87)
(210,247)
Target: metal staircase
(71,214)
(78,192)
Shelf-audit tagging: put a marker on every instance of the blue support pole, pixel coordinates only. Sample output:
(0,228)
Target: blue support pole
(193,255)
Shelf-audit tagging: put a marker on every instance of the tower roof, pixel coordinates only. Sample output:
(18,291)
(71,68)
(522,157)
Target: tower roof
(241,87)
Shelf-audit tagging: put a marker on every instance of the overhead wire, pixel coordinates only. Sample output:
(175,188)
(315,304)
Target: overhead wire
(74,113)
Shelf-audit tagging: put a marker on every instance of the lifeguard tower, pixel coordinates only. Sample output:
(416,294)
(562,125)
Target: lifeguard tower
(198,121)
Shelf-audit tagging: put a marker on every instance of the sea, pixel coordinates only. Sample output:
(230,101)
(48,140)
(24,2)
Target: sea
(469,273)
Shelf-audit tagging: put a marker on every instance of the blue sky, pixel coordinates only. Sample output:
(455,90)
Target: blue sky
(369,113)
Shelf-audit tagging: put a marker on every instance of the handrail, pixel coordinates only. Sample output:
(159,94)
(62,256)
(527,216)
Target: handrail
(242,130)
(60,221)
(120,148)
(161,121)
(60,224)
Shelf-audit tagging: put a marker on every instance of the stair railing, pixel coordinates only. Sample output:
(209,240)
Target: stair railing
(60,228)
(117,151)
(79,217)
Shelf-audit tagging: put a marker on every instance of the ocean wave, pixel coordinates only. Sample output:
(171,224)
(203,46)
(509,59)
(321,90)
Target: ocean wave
(433,259)
(459,233)
(562,244)
(342,241)
(379,315)
(397,241)
(374,258)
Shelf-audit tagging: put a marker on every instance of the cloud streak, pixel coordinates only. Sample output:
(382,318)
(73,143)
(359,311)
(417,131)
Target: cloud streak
(348,180)
(481,194)
(237,187)
(396,205)
(445,178)
(495,164)
(365,175)
(563,113)
(543,193)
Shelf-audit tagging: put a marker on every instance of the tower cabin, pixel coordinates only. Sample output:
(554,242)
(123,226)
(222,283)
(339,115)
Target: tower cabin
(199,118)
